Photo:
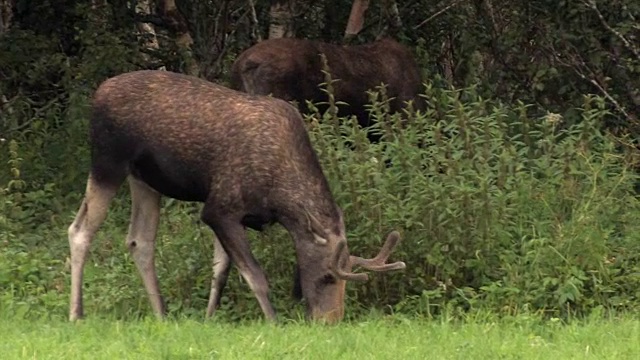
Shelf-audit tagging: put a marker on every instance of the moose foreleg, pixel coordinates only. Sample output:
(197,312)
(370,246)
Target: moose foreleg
(233,238)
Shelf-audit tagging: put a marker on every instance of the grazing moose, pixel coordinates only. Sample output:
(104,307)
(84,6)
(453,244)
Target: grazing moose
(291,69)
(247,158)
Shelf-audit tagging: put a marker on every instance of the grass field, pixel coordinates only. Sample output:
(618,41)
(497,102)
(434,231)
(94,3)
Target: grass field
(383,338)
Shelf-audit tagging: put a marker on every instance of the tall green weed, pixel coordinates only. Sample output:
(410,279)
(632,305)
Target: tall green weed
(497,209)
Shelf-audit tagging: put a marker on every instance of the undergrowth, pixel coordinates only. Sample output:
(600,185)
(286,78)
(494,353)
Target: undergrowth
(499,209)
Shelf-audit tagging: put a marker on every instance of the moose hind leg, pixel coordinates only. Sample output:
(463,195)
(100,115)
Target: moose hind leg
(145,214)
(233,238)
(221,267)
(90,216)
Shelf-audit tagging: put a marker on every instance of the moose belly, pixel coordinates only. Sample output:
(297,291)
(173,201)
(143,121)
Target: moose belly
(258,221)
(170,176)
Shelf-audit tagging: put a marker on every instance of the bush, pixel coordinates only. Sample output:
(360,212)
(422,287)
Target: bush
(499,209)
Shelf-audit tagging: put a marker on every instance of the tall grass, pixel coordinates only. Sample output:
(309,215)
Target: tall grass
(372,338)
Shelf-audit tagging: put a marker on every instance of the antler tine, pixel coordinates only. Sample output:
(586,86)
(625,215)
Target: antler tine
(337,266)
(378,262)
(399,265)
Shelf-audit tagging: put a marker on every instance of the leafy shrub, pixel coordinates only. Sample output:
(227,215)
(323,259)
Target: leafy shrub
(497,209)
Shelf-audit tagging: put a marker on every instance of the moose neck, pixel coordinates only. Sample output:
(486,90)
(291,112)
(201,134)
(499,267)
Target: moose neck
(309,187)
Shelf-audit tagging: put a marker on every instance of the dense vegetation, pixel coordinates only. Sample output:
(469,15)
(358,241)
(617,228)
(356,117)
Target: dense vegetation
(514,191)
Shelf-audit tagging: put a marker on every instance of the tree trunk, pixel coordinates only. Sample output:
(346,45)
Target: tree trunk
(281,14)
(146,31)
(256,36)
(180,29)
(446,59)
(391,17)
(6,14)
(356,18)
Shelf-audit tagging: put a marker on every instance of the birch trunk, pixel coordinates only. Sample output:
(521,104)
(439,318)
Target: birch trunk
(182,37)
(6,14)
(356,18)
(255,26)
(391,15)
(281,14)
(146,31)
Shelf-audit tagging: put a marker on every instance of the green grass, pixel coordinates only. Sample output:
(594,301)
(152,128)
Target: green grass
(383,338)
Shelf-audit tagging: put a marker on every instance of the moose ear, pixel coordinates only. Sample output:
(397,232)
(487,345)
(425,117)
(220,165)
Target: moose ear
(319,233)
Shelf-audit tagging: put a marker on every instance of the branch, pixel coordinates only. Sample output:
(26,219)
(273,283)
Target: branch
(255,26)
(438,13)
(592,5)
(576,57)
(37,111)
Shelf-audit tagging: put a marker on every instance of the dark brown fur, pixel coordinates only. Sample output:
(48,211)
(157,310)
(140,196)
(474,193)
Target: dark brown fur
(193,140)
(291,69)
(247,158)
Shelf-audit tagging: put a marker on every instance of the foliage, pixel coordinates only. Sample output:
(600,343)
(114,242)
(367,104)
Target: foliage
(497,210)
(543,53)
